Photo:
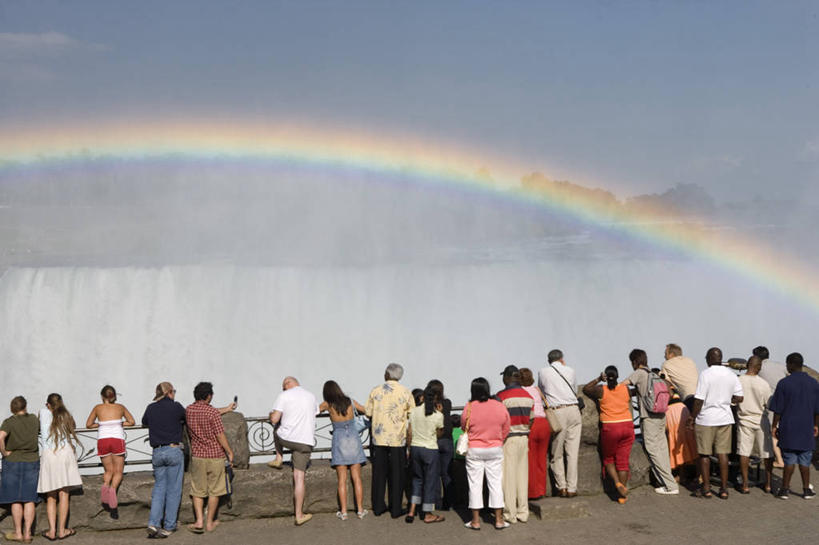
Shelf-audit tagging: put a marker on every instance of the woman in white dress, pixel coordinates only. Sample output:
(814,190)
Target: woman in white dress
(59,472)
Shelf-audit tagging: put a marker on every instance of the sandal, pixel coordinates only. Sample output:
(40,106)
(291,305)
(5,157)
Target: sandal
(470,526)
(409,519)
(503,526)
(706,494)
(723,494)
(744,490)
(436,518)
(44,534)
(340,515)
(195,529)
(68,533)
(361,514)
(621,488)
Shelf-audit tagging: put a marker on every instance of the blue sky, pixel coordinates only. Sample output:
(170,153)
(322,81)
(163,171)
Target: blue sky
(633,96)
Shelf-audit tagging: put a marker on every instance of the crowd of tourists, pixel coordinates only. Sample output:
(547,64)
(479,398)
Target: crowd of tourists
(501,441)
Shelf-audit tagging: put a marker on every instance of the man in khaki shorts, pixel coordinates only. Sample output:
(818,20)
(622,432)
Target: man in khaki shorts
(209,446)
(717,388)
(294,419)
(753,426)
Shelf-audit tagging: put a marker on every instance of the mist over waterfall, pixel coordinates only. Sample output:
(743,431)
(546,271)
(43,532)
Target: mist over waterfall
(133,273)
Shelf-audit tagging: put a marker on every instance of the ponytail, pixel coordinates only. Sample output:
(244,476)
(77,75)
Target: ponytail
(611,377)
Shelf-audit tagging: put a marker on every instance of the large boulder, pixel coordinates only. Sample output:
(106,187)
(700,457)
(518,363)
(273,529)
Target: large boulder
(236,433)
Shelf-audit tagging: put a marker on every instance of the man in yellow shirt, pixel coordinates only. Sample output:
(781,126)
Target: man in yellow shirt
(389,406)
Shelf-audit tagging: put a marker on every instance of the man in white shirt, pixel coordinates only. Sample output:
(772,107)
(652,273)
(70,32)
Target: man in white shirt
(294,418)
(717,388)
(753,428)
(557,381)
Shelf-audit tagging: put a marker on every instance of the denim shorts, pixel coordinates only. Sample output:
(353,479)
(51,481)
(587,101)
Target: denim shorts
(801,457)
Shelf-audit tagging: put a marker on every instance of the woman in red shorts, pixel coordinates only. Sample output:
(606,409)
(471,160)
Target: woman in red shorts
(109,417)
(616,426)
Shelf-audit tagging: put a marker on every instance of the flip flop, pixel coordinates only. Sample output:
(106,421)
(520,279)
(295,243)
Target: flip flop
(68,533)
(503,526)
(195,529)
(469,526)
(11,536)
(44,534)
(438,518)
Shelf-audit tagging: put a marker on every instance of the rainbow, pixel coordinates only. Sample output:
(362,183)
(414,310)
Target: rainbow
(426,161)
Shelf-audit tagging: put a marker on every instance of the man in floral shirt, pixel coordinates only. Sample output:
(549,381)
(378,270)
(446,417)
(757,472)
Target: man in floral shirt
(389,406)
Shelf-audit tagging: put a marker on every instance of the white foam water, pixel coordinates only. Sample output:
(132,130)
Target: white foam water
(72,330)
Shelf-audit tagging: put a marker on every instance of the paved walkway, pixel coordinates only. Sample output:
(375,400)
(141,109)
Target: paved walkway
(646,519)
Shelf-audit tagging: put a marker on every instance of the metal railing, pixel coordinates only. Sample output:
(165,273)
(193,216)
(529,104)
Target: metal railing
(259,438)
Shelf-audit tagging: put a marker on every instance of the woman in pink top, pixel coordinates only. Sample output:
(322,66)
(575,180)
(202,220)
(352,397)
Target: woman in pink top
(486,422)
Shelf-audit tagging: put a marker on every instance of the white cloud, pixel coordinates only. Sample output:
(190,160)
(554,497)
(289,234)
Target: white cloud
(810,150)
(22,44)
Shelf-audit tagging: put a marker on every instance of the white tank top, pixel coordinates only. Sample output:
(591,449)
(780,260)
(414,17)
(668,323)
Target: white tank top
(110,429)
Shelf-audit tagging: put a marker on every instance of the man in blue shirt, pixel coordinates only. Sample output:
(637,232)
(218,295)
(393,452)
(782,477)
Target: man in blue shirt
(795,404)
(164,419)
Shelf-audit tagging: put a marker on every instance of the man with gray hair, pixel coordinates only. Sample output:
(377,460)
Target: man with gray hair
(294,419)
(389,406)
(558,383)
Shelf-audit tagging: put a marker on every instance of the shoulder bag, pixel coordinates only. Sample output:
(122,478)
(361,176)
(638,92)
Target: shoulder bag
(580,403)
(462,446)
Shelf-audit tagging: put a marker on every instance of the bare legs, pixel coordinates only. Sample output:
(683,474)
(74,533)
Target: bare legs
(358,488)
(199,508)
(298,492)
(22,513)
(745,461)
(705,471)
(341,472)
(57,503)
(476,517)
(787,473)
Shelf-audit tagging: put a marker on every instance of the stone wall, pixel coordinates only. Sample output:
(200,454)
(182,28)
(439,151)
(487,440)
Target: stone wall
(263,492)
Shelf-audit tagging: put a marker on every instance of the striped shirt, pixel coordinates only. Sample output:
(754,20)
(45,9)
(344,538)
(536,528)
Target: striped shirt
(520,406)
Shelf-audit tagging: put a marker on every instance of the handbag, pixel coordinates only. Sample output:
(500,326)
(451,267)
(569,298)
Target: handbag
(551,415)
(462,446)
(360,421)
(580,403)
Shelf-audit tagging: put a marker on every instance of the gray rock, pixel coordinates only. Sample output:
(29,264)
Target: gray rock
(236,433)
(559,509)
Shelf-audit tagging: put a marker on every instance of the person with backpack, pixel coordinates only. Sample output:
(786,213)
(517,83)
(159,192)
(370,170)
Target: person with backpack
(653,395)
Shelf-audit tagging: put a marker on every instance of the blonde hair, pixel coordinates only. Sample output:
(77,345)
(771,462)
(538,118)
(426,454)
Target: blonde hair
(674,349)
(63,427)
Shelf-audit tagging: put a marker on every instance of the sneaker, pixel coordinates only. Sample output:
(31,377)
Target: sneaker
(152,532)
(808,494)
(783,494)
(163,533)
(667,492)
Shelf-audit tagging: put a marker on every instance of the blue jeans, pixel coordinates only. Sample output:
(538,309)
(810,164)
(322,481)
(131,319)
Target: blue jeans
(169,469)
(426,477)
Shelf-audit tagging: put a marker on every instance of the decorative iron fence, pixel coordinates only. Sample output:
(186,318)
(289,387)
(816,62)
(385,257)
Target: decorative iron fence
(259,438)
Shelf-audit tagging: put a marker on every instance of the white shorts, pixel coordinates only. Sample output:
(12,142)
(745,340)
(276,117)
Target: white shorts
(754,442)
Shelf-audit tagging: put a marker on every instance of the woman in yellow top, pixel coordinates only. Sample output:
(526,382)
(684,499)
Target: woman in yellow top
(426,426)
(616,426)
